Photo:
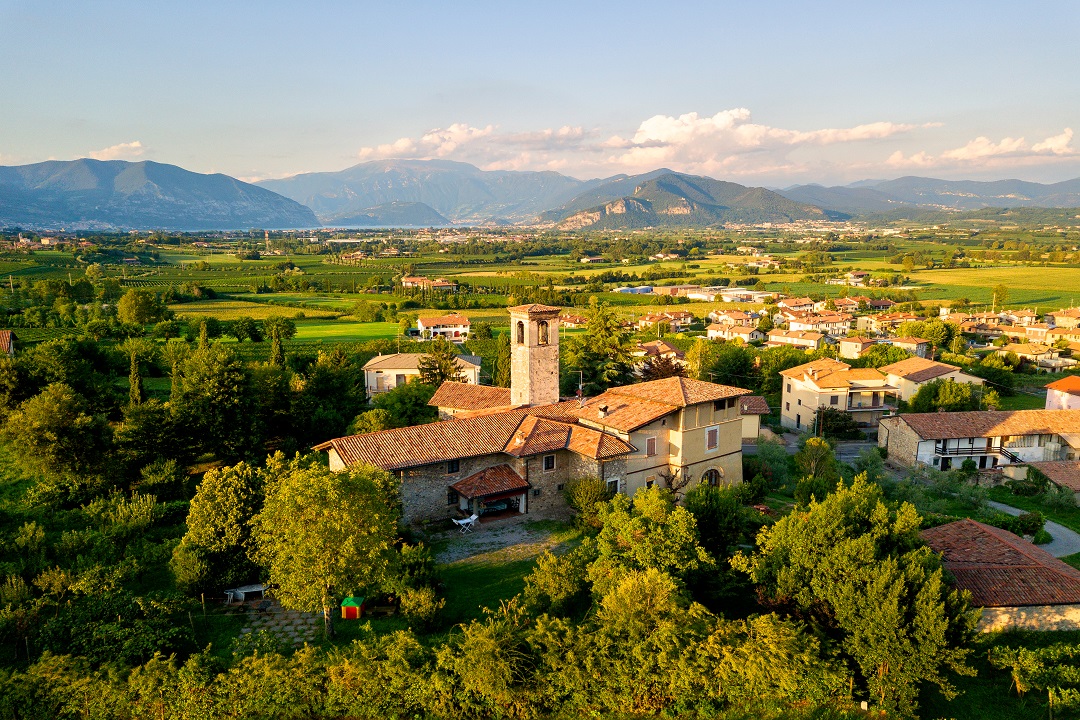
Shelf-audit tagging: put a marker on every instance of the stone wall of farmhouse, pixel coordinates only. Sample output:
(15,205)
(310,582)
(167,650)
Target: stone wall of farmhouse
(424,488)
(1033,617)
(899,440)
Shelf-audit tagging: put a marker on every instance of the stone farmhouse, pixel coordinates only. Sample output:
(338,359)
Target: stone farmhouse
(514,452)
(454,327)
(1018,585)
(989,437)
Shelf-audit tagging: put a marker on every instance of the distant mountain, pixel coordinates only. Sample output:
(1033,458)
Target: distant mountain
(394,214)
(883,196)
(143,195)
(458,191)
(677,200)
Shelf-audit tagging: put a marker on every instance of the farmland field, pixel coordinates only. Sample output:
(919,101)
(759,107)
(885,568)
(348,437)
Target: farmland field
(232,309)
(344,331)
(1045,287)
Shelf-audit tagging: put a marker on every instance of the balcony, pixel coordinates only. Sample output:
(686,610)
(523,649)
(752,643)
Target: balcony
(974,451)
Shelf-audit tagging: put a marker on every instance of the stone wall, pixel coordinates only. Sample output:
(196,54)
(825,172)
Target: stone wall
(899,440)
(1031,617)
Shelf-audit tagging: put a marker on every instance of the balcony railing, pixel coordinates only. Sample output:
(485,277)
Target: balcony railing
(970,451)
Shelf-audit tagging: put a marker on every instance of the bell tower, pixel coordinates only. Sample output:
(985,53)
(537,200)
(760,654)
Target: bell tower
(534,355)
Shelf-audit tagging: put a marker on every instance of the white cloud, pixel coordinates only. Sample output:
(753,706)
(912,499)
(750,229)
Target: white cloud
(728,143)
(984,153)
(122,151)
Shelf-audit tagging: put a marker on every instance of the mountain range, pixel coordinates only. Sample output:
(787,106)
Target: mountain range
(95,194)
(92,194)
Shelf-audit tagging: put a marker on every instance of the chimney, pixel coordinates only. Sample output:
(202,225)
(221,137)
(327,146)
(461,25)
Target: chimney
(602,411)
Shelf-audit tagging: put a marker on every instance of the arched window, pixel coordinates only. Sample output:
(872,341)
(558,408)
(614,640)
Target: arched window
(520,333)
(542,328)
(712,477)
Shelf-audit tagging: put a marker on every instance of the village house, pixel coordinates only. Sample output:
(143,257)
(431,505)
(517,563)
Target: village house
(752,407)
(799,339)
(989,437)
(852,348)
(492,458)
(828,323)
(659,349)
(1064,318)
(1018,585)
(728,333)
(851,304)
(570,320)
(884,322)
(1044,357)
(1021,317)
(7,343)
(916,346)
(799,304)
(1064,394)
(1033,332)
(909,376)
(385,372)
(454,328)
(828,383)
(733,317)
(676,320)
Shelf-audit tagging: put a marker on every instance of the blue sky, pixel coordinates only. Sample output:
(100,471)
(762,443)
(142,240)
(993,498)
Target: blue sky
(764,92)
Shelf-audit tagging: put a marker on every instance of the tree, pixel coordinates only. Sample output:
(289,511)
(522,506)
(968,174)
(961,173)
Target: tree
(140,307)
(278,329)
(481,331)
(733,365)
(996,372)
(213,399)
(407,404)
(944,394)
(658,368)
(214,551)
(370,421)
(138,351)
(601,355)
(244,328)
(1000,295)
(439,364)
(503,362)
(835,423)
(881,355)
(857,570)
(720,515)
(816,459)
(323,535)
(54,434)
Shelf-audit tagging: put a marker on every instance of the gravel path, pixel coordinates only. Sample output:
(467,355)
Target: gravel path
(499,540)
(1065,542)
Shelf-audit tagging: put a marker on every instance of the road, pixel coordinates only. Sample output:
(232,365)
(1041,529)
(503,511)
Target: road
(1065,542)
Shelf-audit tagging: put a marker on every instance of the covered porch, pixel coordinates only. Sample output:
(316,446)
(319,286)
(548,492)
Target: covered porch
(493,492)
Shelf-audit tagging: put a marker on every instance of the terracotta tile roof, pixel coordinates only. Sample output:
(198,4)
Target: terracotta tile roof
(537,435)
(453,319)
(466,396)
(1026,349)
(918,369)
(1001,569)
(492,481)
(411,361)
(829,373)
(632,406)
(796,334)
(534,308)
(1070,384)
(863,341)
(5,341)
(908,340)
(753,405)
(992,423)
(1064,473)
(655,348)
(595,444)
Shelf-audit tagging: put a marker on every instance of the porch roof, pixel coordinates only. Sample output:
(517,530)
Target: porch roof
(491,481)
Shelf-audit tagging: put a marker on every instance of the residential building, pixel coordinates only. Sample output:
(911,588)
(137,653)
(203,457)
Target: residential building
(752,407)
(677,320)
(908,376)
(1021,317)
(802,340)
(1035,332)
(884,322)
(454,399)
(828,383)
(799,304)
(916,346)
(7,343)
(733,317)
(851,304)
(1018,585)
(728,333)
(1064,394)
(516,459)
(825,322)
(569,320)
(854,347)
(1064,318)
(385,372)
(454,328)
(660,349)
(1044,357)
(989,437)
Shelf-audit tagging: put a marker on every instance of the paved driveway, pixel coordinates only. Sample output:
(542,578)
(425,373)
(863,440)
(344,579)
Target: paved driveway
(1065,542)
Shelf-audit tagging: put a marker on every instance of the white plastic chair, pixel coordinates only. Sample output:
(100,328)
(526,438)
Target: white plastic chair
(466,525)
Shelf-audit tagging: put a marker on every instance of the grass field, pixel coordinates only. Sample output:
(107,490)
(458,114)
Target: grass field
(344,330)
(1047,288)
(232,309)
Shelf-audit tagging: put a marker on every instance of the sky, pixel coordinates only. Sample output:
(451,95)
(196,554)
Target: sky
(768,93)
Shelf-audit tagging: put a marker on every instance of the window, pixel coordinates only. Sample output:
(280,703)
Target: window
(798,421)
(712,477)
(560,487)
(542,332)
(650,481)
(787,406)
(613,486)
(549,463)
(451,496)
(536,491)
(453,466)
(520,333)
(650,446)
(712,438)
(789,387)
(718,405)
(399,379)
(799,401)
(834,400)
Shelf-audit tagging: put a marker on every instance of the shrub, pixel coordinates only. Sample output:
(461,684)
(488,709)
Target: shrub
(1042,537)
(558,584)
(421,606)
(583,495)
(1060,498)
(813,487)
(1028,523)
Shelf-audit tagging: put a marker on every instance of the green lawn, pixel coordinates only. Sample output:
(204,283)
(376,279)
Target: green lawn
(1023,401)
(344,330)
